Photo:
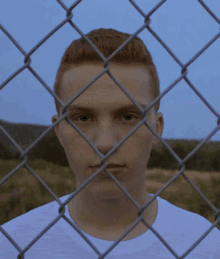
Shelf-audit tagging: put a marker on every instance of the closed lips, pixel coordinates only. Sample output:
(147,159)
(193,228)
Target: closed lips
(113,170)
(108,166)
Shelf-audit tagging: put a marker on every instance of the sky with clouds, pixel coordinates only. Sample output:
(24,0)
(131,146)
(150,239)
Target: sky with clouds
(184,26)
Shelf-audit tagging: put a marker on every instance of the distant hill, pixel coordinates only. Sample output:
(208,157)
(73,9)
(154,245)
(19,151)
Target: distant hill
(23,134)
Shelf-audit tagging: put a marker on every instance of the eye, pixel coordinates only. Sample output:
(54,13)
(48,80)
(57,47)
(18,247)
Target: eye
(82,116)
(128,117)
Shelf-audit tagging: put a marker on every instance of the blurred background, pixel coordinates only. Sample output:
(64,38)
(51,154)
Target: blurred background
(26,107)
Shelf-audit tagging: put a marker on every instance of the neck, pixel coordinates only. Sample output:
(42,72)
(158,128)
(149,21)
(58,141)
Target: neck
(107,214)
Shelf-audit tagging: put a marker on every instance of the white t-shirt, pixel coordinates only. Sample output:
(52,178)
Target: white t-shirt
(179,228)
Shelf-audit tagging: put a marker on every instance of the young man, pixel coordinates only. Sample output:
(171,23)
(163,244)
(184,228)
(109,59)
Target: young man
(101,210)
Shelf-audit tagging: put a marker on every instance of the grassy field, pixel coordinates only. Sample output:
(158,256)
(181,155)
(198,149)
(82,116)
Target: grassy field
(22,192)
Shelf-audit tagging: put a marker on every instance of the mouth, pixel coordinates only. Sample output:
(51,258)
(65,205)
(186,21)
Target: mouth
(115,171)
(111,165)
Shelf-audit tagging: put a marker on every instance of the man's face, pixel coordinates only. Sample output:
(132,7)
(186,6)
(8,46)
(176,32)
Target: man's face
(105,125)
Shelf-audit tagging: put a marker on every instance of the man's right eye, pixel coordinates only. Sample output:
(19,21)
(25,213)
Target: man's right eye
(81,116)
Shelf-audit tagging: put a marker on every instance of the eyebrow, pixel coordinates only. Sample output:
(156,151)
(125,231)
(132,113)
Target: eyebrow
(122,108)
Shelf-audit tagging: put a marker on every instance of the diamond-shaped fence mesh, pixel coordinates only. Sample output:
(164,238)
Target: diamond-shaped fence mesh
(150,126)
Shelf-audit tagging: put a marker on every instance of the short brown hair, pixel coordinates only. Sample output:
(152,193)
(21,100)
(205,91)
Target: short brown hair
(107,41)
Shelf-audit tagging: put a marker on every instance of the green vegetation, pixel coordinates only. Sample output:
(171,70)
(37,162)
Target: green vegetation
(22,192)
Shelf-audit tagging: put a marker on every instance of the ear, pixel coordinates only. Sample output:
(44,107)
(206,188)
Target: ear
(159,128)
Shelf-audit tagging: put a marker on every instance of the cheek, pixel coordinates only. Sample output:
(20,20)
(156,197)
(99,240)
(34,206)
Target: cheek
(138,145)
(76,147)
(71,137)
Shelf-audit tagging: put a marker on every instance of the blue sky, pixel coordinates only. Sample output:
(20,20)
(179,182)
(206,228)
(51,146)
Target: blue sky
(184,26)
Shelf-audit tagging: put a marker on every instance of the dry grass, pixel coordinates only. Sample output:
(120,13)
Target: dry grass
(180,189)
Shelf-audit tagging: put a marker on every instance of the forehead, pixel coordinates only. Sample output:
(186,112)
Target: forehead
(134,78)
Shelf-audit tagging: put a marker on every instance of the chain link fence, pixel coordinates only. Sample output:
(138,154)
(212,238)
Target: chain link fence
(150,126)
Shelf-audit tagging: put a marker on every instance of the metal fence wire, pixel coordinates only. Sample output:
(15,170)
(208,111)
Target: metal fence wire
(151,127)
